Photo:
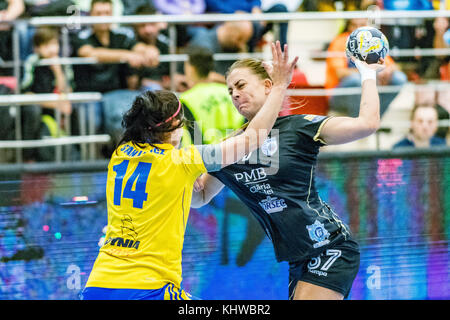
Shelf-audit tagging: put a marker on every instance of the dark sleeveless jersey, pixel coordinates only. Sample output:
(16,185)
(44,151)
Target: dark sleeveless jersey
(277,183)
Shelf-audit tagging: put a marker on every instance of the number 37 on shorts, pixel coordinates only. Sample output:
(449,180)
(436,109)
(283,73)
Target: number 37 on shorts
(321,264)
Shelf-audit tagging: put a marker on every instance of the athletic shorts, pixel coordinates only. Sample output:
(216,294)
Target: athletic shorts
(168,292)
(334,269)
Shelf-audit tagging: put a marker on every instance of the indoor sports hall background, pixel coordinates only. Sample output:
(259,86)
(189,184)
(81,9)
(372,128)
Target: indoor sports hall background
(52,182)
(397,205)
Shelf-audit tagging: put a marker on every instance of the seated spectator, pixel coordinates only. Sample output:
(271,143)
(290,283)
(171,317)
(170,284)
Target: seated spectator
(430,34)
(408,33)
(424,125)
(429,95)
(45,8)
(425,97)
(342,73)
(111,48)
(47,79)
(182,7)
(251,6)
(157,77)
(229,37)
(10,10)
(116,52)
(206,104)
(52,78)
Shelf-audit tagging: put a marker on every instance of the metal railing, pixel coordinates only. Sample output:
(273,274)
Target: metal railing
(374,15)
(87,139)
(68,23)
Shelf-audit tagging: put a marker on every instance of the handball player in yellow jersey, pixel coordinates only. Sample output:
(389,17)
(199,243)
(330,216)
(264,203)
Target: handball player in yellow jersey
(149,190)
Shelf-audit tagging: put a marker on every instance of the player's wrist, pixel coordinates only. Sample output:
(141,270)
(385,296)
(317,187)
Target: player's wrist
(368,75)
(365,71)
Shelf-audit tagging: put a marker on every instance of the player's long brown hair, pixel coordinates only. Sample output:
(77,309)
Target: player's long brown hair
(145,122)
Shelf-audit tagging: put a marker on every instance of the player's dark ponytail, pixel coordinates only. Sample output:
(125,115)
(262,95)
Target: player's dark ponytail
(149,118)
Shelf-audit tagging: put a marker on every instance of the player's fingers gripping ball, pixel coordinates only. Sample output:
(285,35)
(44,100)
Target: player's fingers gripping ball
(367,44)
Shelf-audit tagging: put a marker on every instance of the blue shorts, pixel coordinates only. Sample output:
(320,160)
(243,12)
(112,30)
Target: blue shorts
(168,292)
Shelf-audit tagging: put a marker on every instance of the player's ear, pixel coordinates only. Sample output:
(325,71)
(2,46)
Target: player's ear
(267,86)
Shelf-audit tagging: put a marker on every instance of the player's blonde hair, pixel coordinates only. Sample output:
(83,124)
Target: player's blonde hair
(255,65)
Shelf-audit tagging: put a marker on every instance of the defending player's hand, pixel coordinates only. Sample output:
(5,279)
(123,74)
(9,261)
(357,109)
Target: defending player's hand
(280,69)
(198,184)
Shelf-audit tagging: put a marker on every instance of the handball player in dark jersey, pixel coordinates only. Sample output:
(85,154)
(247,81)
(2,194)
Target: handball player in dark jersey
(277,183)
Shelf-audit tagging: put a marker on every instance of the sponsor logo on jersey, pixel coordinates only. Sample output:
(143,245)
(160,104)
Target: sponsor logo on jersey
(254,176)
(121,242)
(269,147)
(318,233)
(255,181)
(272,205)
(264,188)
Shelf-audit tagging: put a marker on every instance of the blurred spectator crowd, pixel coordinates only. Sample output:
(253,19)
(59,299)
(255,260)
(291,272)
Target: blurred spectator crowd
(128,60)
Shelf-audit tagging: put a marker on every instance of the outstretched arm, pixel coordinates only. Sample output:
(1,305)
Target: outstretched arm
(280,72)
(338,130)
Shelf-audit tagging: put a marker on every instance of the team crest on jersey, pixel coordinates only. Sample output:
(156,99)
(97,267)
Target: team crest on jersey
(269,147)
(318,233)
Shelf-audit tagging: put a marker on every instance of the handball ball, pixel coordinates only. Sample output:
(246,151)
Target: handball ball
(367,44)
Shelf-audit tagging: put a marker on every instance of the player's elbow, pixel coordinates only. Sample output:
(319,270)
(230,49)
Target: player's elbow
(373,125)
(365,128)
(370,124)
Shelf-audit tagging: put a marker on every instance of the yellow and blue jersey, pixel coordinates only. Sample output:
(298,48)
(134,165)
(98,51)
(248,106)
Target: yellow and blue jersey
(148,192)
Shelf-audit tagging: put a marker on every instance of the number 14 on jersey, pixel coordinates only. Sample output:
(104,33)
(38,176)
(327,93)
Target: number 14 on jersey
(138,180)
